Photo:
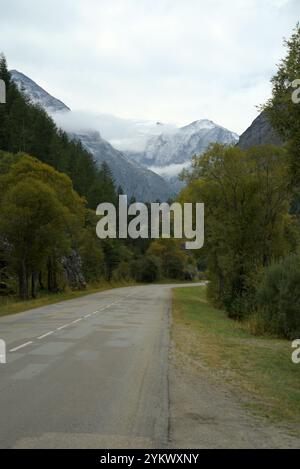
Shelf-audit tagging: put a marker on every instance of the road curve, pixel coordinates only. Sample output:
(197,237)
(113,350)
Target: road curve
(88,373)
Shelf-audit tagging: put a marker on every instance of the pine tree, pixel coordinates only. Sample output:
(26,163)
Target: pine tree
(284,114)
(4,73)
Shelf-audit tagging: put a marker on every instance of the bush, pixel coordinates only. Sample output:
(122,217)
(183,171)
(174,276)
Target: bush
(92,257)
(173,259)
(147,269)
(256,324)
(123,272)
(279,297)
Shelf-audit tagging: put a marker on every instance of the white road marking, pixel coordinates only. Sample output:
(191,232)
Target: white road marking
(62,327)
(77,320)
(45,335)
(20,346)
(66,325)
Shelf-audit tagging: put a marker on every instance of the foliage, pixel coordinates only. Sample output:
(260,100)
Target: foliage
(246,196)
(40,213)
(173,259)
(147,269)
(279,297)
(42,219)
(124,272)
(283,113)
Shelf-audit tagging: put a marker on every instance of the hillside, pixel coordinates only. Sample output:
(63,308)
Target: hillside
(260,132)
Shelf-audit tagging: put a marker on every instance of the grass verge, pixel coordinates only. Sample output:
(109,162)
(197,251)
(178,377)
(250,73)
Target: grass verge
(258,369)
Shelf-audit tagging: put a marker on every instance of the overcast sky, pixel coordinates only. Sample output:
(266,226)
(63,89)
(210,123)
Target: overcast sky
(167,60)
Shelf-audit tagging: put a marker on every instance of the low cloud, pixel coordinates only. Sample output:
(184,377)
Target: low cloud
(171,170)
(123,134)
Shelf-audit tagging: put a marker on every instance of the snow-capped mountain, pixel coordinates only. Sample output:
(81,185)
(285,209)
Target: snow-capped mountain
(145,157)
(36,94)
(168,153)
(178,147)
(136,180)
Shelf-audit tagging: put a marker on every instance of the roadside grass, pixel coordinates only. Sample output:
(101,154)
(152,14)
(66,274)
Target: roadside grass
(12,305)
(167,281)
(259,370)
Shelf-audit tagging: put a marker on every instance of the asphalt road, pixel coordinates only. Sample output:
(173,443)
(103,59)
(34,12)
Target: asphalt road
(88,373)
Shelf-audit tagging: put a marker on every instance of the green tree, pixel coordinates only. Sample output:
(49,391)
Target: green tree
(90,249)
(246,197)
(283,113)
(173,259)
(39,216)
(279,297)
(147,269)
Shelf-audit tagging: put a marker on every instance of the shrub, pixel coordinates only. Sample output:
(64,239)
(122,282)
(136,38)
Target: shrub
(172,258)
(123,272)
(278,297)
(148,269)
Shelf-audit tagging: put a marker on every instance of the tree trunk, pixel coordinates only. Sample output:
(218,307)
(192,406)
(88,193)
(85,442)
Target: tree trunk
(33,284)
(41,281)
(49,273)
(23,281)
(52,281)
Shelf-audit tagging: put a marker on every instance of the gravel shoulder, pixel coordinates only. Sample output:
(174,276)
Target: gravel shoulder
(205,412)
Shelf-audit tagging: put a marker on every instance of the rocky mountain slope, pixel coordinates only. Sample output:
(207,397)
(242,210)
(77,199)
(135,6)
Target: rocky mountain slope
(260,132)
(135,180)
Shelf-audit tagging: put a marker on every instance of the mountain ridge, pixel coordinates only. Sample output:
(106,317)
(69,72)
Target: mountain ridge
(37,94)
(170,152)
(136,181)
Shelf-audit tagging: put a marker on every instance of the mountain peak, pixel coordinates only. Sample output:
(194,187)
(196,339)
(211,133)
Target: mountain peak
(178,147)
(200,124)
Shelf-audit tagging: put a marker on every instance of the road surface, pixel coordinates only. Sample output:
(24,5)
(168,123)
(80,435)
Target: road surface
(88,373)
